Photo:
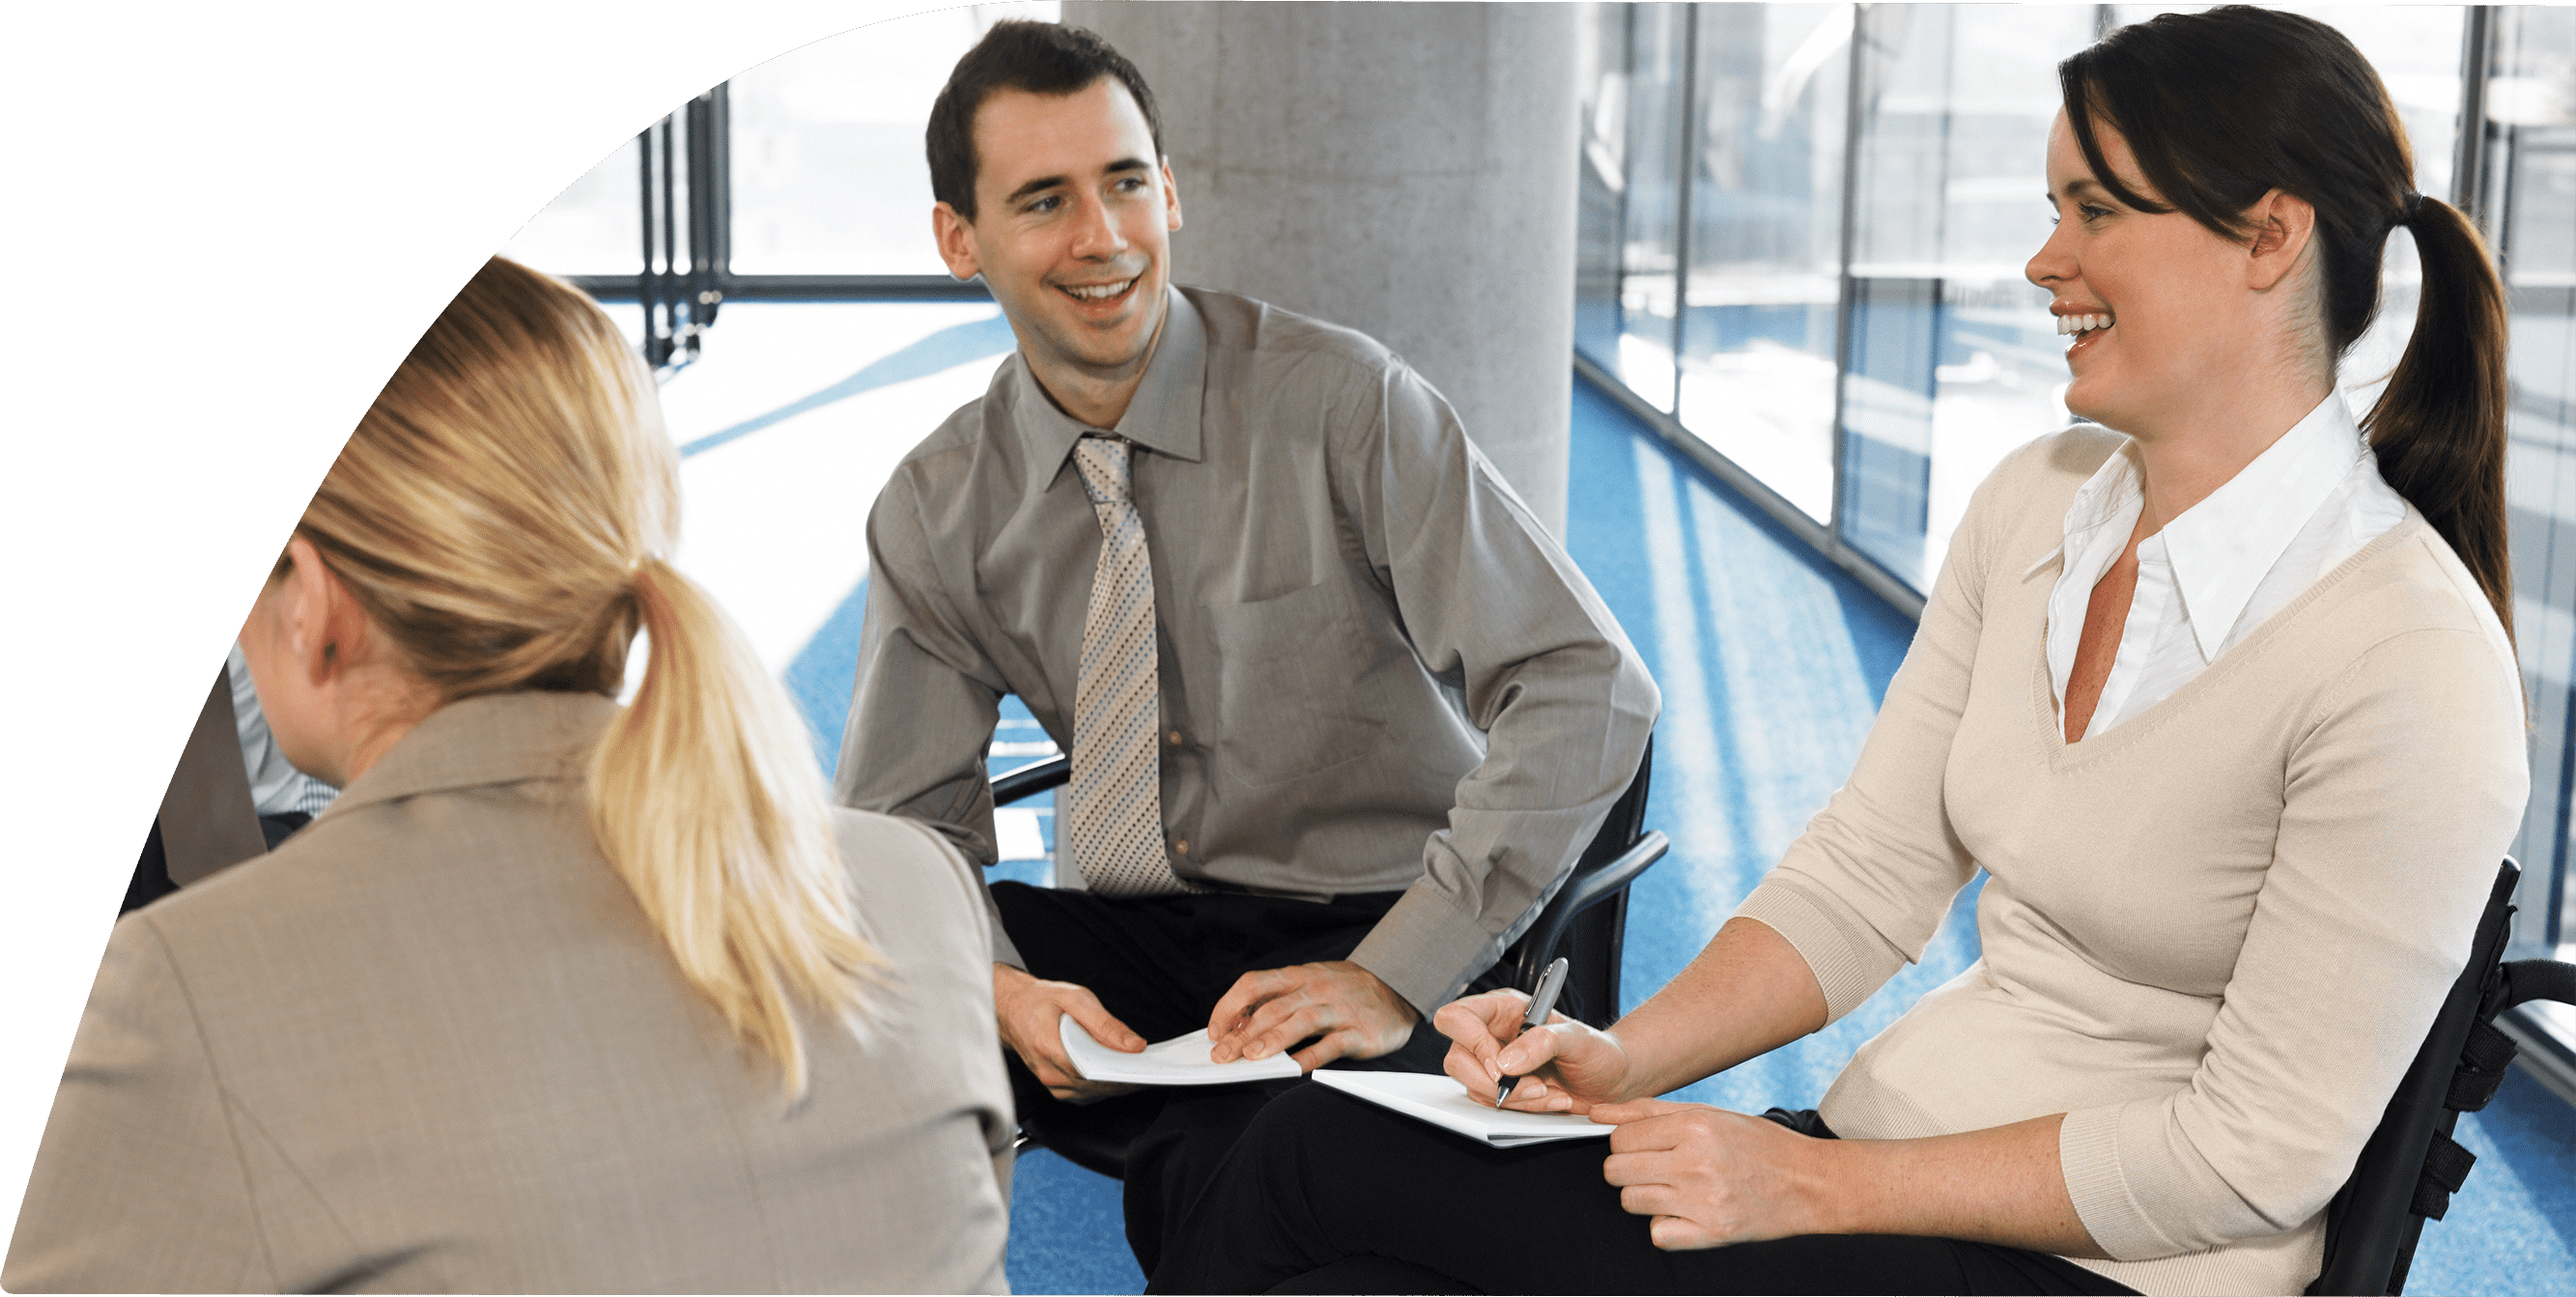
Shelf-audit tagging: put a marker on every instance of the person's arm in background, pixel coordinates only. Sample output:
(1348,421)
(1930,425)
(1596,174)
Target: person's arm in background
(922,711)
(1493,605)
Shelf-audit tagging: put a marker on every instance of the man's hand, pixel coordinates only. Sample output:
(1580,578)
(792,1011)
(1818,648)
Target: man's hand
(1564,1065)
(1357,1015)
(1027,1009)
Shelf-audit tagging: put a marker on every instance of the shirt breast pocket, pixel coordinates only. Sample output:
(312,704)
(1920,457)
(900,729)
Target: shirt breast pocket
(1293,685)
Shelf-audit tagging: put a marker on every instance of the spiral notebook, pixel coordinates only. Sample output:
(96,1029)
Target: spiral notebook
(1441,1101)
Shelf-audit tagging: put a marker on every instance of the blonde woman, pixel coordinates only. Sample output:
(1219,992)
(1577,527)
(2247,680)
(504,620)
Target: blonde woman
(559,995)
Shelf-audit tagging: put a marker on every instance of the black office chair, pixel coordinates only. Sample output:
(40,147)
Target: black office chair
(1586,921)
(2411,1166)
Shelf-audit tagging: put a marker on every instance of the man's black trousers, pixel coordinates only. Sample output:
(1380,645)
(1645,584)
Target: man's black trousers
(1160,964)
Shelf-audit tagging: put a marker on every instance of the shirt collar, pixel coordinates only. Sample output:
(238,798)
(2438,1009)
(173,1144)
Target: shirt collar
(492,739)
(2222,547)
(1162,417)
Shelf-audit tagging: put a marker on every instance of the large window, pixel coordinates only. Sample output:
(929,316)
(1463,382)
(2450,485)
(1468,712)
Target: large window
(2528,201)
(1830,307)
(801,180)
(1765,227)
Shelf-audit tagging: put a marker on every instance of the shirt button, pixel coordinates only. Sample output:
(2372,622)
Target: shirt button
(1182,847)
(1176,738)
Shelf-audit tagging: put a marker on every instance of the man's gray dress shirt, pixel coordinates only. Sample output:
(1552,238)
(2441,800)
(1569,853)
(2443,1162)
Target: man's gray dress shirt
(1378,670)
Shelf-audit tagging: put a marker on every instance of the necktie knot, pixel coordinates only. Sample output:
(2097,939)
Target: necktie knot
(1103,463)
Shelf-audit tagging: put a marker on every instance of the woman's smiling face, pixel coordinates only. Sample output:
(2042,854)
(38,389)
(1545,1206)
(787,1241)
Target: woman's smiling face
(2157,302)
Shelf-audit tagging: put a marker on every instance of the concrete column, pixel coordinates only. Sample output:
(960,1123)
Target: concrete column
(1407,170)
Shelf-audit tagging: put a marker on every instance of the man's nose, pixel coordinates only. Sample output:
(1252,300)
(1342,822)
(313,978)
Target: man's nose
(1096,235)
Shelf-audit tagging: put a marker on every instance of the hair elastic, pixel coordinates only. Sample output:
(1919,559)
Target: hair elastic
(2412,203)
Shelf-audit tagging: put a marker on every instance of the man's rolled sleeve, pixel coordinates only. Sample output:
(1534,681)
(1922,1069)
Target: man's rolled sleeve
(1493,604)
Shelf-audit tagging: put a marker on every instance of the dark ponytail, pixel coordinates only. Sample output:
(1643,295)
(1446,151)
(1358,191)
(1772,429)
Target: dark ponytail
(2222,107)
(2439,427)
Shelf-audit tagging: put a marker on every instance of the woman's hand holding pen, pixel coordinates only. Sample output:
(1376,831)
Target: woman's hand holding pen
(1565,1066)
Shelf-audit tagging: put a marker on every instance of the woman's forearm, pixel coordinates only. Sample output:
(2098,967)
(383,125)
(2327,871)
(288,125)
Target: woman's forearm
(2004,1185)
(1748,992)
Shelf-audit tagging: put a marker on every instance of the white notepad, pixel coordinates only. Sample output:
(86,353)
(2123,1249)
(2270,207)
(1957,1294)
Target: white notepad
(1182,1060)
(1442,1102)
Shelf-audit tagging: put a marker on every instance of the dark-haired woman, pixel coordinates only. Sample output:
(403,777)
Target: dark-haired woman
(2222,701)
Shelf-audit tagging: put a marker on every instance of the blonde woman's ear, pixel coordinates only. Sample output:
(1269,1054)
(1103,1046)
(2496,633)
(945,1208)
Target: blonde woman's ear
(326,629)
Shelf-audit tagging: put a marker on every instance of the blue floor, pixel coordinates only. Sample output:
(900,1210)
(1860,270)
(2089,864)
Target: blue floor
(1772,665)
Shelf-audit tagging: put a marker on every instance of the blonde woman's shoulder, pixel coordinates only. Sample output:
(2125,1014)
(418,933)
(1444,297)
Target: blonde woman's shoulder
(901,867)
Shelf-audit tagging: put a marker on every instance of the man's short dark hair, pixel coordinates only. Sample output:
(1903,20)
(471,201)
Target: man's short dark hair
(1038,58)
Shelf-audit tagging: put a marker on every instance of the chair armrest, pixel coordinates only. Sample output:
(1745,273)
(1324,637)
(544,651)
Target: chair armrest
(1580,894)
(1030,780)
(2526,980)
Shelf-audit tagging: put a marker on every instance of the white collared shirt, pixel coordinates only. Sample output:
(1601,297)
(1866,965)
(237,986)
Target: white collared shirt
(2215,572)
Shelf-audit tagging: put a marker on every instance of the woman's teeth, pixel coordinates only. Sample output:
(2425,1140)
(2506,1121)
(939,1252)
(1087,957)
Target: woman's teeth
(2067,324)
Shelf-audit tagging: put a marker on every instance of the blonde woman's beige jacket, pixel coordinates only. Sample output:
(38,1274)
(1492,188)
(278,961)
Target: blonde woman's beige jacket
(431,1044)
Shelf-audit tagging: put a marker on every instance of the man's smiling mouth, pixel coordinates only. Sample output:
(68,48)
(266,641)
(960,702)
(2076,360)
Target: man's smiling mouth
(1098,292)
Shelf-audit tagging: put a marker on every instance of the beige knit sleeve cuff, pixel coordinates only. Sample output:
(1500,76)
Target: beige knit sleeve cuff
(2088,1152)
(1850,960)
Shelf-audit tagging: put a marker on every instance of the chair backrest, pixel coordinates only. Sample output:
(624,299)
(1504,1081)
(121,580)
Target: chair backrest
(1593,943)
(2410,1166)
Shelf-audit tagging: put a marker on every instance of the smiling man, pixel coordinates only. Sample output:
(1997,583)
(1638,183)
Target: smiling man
(1341,713)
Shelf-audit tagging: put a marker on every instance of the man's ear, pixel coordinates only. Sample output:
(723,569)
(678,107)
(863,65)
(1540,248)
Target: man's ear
(2284,224)
(956,238)
(1171,199)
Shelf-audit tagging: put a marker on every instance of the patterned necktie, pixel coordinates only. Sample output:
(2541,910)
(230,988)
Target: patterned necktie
(1116,796)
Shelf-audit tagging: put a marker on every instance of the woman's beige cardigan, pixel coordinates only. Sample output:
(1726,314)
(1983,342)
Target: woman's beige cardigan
(2213,935)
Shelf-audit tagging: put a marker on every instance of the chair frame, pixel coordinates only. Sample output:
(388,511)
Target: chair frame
(2411,1166)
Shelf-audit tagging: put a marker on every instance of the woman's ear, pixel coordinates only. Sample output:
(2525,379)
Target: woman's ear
(325,628)
(2284,224)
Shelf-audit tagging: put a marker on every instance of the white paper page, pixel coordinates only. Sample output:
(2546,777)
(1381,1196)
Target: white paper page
(1182,1060)
(1442,1102)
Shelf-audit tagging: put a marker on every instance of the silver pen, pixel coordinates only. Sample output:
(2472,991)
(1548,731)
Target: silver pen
(1541,1005)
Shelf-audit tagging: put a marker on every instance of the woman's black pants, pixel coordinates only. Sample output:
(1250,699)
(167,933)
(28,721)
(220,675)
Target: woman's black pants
(1329,1193)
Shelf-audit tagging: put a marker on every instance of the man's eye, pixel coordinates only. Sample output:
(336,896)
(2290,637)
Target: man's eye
(1046,204)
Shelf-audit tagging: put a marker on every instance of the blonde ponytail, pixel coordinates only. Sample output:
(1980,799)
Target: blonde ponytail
(501,513)
(706,797)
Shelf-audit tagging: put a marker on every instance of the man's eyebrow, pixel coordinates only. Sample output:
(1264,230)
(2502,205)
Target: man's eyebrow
(1039,185)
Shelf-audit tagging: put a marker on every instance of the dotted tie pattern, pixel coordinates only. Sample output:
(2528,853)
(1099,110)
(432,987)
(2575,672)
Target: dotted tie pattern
(1116,796)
